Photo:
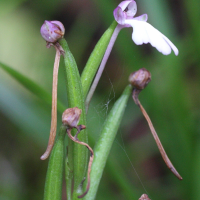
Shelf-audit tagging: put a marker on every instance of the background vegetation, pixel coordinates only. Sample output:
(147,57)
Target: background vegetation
(171,99)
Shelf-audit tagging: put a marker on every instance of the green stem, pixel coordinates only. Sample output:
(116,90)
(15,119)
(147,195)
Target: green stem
(54,178)
(104,144)
(78,154)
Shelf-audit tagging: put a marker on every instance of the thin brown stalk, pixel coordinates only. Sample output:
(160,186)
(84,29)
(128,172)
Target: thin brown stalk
(75,139)
(158,142)
(54,106)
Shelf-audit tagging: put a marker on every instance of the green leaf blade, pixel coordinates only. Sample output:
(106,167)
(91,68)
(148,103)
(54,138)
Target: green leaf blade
(79,161)
(54,178)
(95,58)
(32,86)
(104,144)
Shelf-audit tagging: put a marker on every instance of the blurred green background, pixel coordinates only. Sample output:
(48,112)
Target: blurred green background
(171,99)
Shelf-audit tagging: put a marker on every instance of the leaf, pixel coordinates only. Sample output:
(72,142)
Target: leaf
(95,58)
(105,141)
(54,178)
(78,154)
(32,86)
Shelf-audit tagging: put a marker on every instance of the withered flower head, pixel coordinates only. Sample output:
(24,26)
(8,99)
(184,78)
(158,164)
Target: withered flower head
(71,117)
(139,79)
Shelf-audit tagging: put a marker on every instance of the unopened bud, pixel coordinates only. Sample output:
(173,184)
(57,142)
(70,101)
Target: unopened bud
(71,117)
(144,197)
(52,31)
(140,78)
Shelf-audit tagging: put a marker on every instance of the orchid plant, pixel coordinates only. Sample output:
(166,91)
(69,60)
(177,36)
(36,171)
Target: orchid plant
(80,89)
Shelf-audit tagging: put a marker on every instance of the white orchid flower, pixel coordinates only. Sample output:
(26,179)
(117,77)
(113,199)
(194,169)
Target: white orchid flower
(143,32)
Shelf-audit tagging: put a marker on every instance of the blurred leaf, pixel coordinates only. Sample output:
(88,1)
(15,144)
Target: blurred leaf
(32,86)
(6,6)
(79,42)
(105,141)
(54,177)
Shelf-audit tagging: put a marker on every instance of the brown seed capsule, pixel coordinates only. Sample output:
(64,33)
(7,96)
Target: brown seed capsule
(139,79)
(71,117)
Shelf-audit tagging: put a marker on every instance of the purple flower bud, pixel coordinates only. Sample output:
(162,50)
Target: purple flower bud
(71,117)
(144,197)
(52,31)
(140,78)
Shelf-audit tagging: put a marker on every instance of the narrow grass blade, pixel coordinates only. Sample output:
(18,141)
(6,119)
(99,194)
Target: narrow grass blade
(31,86)
(54,178)
(75,99)
(104,144)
